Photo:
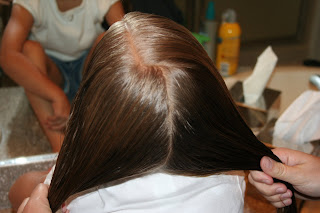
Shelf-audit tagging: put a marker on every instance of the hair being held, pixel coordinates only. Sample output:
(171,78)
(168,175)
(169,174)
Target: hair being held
(151,101)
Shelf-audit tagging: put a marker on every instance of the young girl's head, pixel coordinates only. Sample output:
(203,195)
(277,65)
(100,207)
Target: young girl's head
(151,100)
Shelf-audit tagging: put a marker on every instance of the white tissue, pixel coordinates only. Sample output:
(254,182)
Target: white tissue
(254,85)
(300,123)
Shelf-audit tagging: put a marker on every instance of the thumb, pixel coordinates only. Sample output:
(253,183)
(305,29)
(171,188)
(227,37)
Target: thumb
(275,169)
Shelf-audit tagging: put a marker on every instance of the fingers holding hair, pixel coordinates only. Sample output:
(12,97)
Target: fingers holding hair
(37,202)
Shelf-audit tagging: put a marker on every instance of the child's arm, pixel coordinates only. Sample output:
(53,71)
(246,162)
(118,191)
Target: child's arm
(32,78)
(115,13)
(15,64)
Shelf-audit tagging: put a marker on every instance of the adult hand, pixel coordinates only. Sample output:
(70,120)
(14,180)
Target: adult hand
(5,2)
(300,169)
(37,202)
(61,111)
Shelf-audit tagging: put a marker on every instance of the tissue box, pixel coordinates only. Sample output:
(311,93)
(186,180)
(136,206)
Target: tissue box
(260,113)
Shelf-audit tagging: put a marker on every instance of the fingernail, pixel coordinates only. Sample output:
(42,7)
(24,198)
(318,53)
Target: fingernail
(287,202)
(269,182)
(286,195)
(280,190)
(268,163)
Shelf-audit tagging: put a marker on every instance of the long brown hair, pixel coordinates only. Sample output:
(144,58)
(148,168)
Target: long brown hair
(151,100)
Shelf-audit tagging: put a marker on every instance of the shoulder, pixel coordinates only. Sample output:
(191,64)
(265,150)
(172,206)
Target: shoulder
(31,6)
(105,5)
(34,7)
(98,8)
(161,192)
(20,20)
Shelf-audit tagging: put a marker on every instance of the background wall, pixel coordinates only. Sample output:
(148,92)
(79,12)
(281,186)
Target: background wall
(314,50)
(291,27)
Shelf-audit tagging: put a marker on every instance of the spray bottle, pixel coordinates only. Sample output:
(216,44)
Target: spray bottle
(210,28)
(228,48)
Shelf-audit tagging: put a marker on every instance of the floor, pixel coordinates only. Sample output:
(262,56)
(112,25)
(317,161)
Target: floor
(20,132)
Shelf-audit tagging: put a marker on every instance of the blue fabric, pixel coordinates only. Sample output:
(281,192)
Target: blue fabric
(72,74)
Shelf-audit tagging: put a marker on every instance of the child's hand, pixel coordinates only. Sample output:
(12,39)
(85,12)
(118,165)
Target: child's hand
(61,111)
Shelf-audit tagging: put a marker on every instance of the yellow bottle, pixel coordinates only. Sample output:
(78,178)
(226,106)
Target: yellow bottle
(228,48)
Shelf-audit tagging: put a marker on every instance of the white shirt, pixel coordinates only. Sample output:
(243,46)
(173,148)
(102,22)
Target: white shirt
(164,193)
(66,35)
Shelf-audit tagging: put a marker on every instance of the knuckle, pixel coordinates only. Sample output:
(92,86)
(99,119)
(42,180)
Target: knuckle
(281,170)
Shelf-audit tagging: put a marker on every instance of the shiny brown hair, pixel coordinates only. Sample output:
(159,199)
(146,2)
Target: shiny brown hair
(151,100)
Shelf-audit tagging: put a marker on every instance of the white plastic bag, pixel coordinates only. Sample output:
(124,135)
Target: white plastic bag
(299,124)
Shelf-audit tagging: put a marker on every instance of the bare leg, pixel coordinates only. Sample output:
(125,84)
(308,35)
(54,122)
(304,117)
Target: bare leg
(42,107)
(23,187)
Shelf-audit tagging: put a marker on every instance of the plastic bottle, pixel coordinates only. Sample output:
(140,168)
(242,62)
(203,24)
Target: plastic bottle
(228,47)
(210,29)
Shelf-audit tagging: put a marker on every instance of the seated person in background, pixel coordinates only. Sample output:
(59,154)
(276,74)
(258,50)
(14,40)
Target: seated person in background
(44,48)
(153,128)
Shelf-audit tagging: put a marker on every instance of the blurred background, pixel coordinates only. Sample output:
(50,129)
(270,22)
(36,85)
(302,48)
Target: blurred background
(291,27)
